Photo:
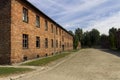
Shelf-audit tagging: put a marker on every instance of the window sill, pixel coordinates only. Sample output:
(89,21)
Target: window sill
(25,21)
(38,26)
(25,48)
(37,47)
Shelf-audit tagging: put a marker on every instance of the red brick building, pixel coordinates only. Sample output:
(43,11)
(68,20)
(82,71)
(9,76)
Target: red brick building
(27,33)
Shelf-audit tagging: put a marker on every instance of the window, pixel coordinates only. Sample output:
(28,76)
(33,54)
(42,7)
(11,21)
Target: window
(46,43)
(56,31)
(25,15)
(56,43)
(46,25)
(60,44)
(37,21)
(67,44)
(60,31)
(52,43)
(25,41)
(63,38)
(38,42)
(51,28)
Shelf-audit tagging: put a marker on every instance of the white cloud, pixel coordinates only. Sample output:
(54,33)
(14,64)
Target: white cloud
(104,25)
(86,14)
(79,8)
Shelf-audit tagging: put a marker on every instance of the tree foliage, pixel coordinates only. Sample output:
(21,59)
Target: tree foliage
(79,33)
(75,42)
(113,37)
(104,41)
(112,41)
(90,38)
(118,39)
(77,37)
(71,32)
(95,36)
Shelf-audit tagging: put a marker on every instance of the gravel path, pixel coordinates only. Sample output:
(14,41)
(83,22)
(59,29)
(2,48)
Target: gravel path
(87,64)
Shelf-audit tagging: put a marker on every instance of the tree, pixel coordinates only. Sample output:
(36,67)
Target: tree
(75,41)
(104,41)
(86,40)
(113,38)
(79,33)
(71,32)
(77,37)
(118,39)
(95,37)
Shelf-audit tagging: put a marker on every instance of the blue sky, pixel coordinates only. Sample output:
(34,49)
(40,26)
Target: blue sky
(85,14)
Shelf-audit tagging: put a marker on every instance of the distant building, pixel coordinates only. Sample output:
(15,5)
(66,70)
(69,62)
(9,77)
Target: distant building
(27,33)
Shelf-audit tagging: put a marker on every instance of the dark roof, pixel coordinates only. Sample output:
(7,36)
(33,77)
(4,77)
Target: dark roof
(46,16)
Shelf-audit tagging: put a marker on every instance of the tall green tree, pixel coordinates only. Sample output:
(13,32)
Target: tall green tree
(77,37)
(75,42)
(118,39)
(71,32)
(86,42)
(95,37)
(79,33)
(104,41)
(87,39)
(113,38)
(91,38)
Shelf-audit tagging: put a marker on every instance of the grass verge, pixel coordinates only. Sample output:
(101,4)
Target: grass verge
(75,50)
(5,71)
(44,61)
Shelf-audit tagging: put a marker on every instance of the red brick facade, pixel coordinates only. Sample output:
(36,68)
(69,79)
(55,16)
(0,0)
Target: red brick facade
(13,27)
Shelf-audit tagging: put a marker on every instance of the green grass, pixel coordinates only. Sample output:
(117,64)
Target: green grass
(5,71)
(75,50)
(44,61)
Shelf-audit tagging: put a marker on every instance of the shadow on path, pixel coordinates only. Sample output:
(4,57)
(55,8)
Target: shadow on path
(116,53)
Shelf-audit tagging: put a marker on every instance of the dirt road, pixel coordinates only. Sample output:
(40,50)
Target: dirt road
(87,64)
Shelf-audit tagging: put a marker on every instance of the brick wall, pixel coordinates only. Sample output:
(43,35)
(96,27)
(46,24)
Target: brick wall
(5,14)
(13,28)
